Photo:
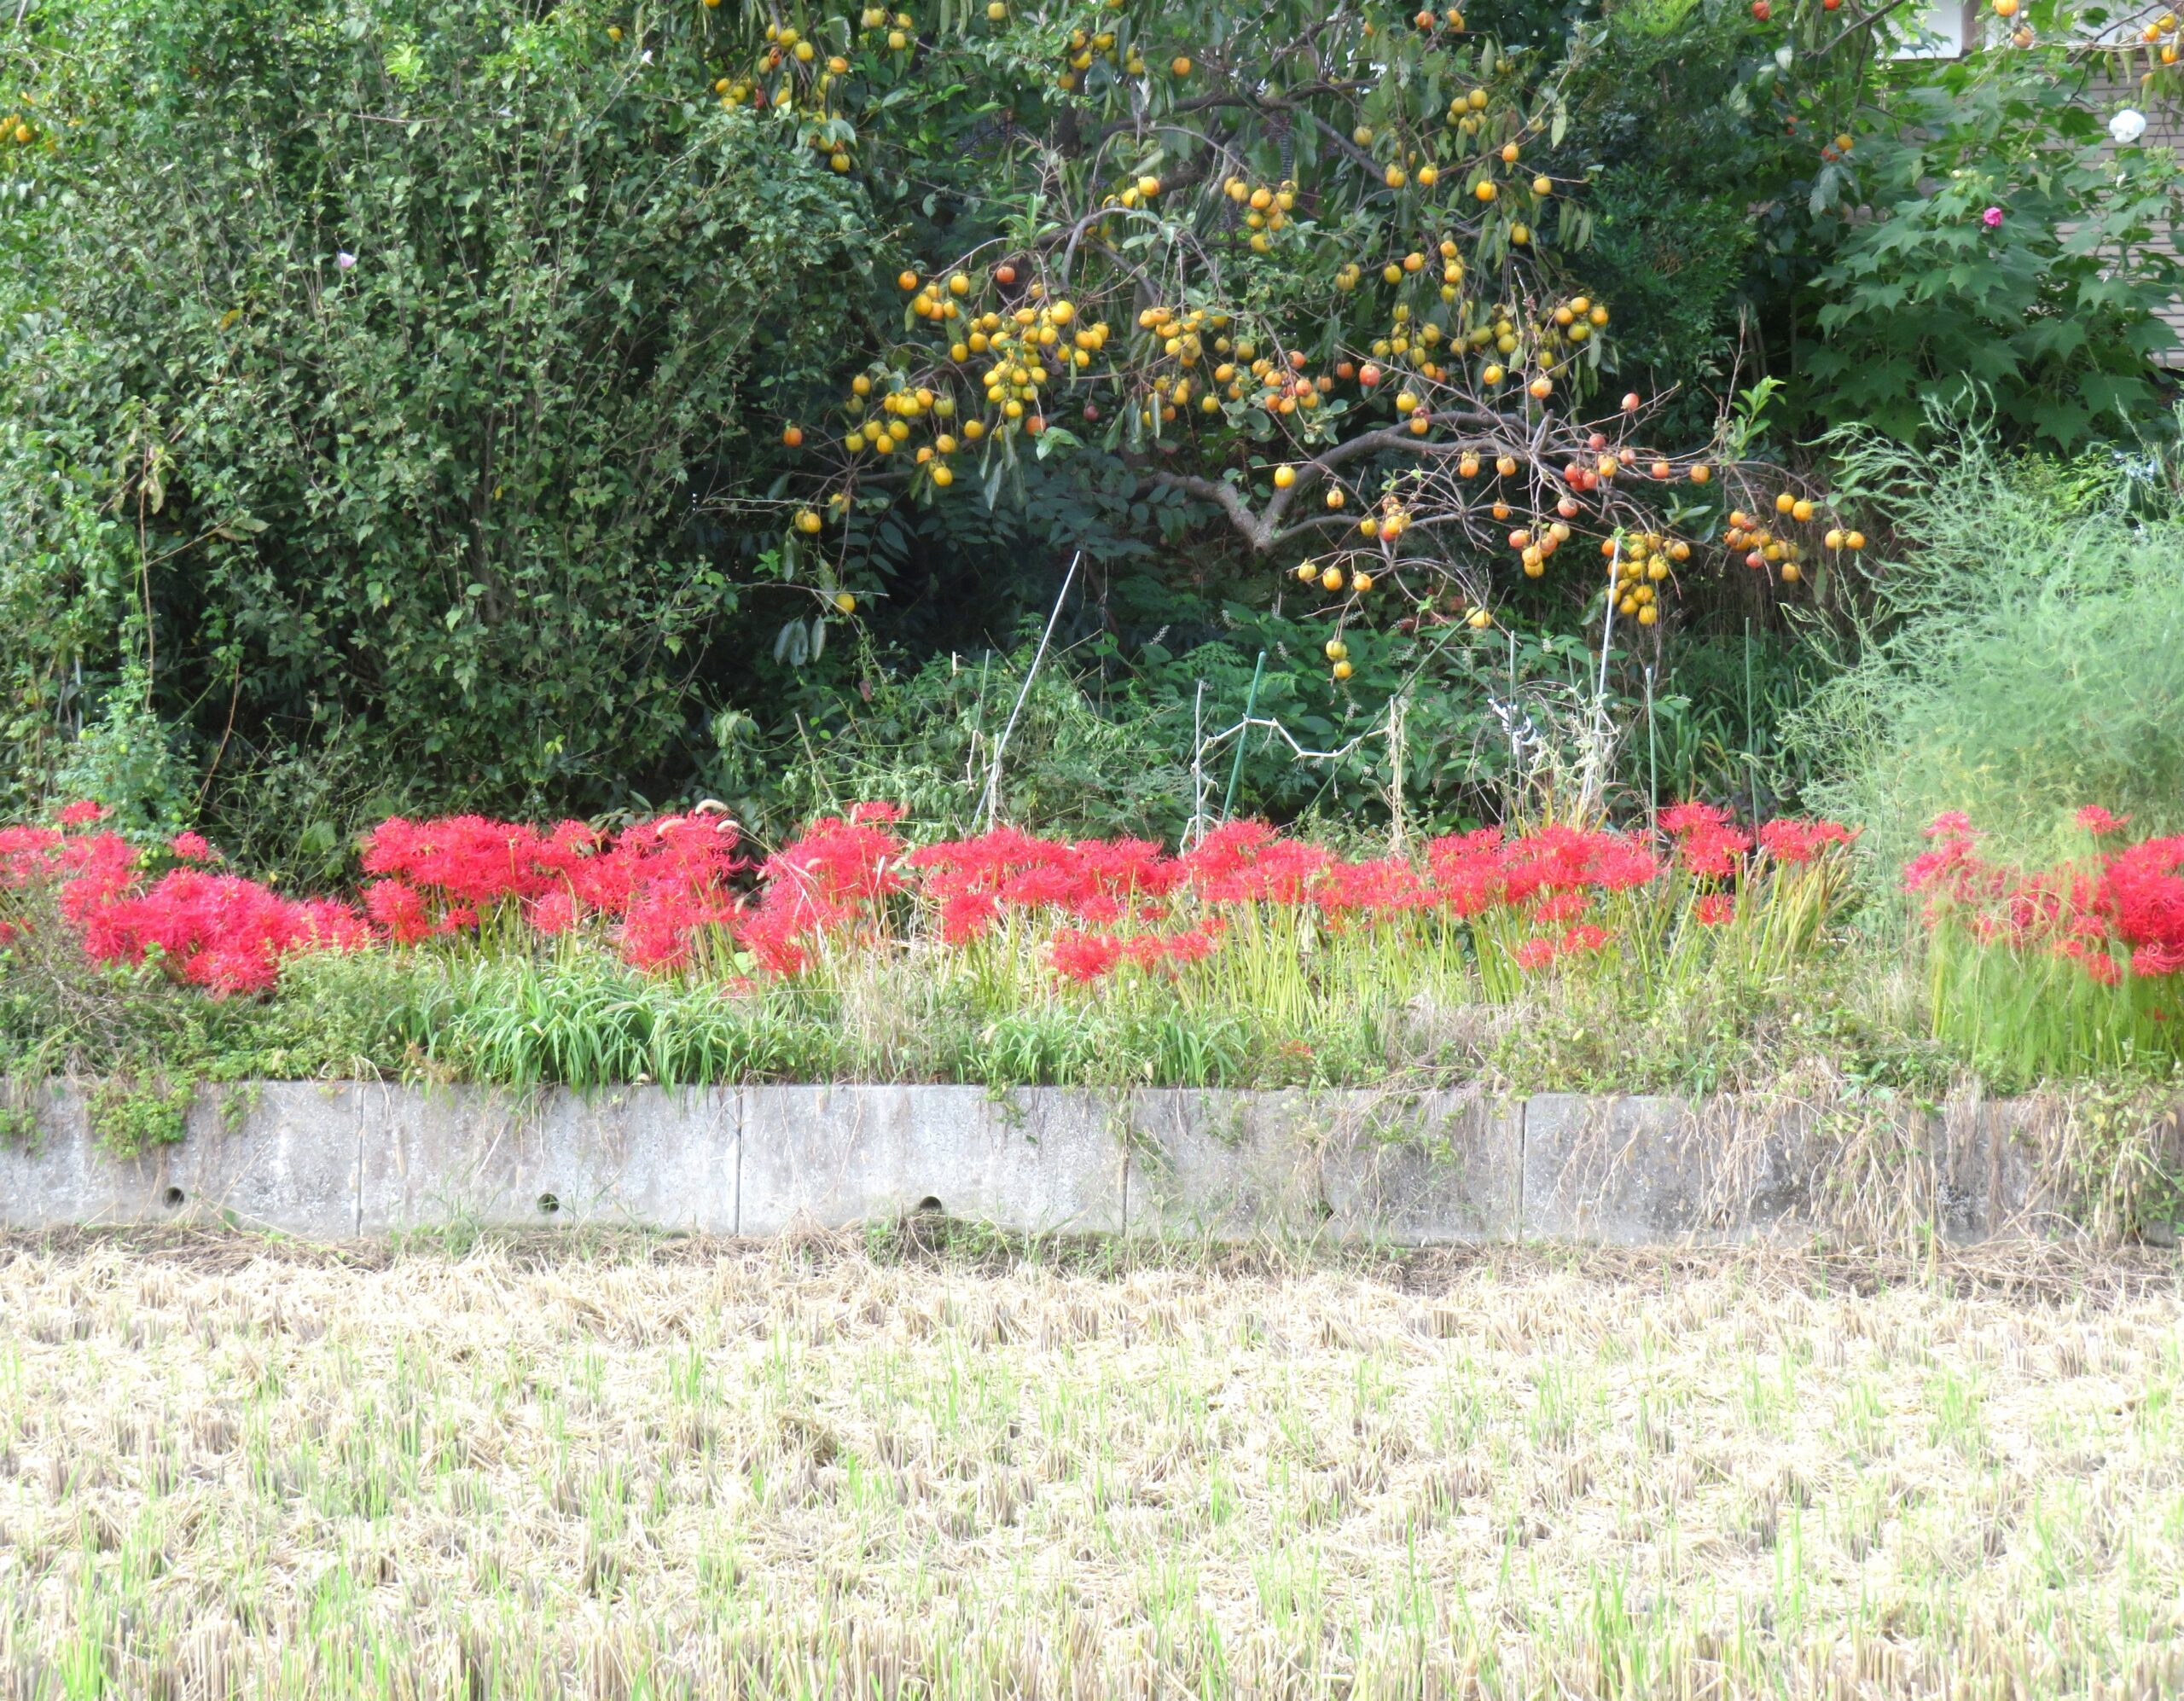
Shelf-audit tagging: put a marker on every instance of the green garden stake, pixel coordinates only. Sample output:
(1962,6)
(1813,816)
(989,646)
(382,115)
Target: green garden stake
(1236,767)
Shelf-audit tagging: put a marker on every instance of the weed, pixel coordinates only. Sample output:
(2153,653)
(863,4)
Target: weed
(131,1118)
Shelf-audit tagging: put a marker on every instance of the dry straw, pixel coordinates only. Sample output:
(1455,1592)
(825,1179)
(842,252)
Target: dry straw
(621,1469)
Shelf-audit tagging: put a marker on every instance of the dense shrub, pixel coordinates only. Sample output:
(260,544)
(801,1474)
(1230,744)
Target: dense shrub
(1984,241)
(373,378)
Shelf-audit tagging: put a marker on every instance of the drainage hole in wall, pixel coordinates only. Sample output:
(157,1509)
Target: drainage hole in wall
(172,1197)
(929,1206)
(547,1204)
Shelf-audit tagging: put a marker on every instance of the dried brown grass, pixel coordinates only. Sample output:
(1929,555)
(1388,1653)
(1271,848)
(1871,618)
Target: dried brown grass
(623,1468)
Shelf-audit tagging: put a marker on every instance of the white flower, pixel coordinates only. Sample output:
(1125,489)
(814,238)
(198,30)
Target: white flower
(2128,126)
(344,259)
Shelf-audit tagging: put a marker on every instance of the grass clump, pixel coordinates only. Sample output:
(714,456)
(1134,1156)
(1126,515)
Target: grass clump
(2023,654)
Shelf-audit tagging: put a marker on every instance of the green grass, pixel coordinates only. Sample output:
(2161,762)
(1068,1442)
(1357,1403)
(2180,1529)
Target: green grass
(2022,653)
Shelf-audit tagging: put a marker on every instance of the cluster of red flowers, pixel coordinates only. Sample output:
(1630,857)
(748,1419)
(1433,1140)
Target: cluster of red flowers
(1083,957)
(218,931)
(1549,880)
(658,887)
(830,879)
(659,881)
(2122,906)
(974,881)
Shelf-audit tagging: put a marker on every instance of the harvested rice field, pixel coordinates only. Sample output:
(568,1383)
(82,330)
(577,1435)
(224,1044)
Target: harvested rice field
(608,1469)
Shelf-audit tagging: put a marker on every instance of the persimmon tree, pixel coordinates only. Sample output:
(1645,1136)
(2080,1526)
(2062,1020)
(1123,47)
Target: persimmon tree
(1322,269)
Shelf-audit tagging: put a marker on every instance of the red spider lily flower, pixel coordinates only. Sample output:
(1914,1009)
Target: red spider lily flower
(773,940)
(223,934)
(95,869)
(1584,936)
(1534,954)
(395,906)
(2144,887)
(1794,839)
(1193,945)
(2098,821)
(1951,824)
(1467,871)
(827,880)
(1386,885)
(2133,897)
(1564,906)
(554,913)
(1085,957)
(1713,853)
(2150,960)
(1557,858)
(328,924)
(1247,862)
(1679,819)
(193,847)
(1947,865)
(1715,909)
(81,813)
(26,854)
(840,866)
(967,915)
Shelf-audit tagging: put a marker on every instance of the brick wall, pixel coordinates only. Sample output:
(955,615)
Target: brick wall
(2114,84)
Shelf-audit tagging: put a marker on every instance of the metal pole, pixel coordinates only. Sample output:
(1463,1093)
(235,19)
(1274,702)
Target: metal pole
(1001,747)
(1198,765)
(1751,747)
(1652,758)
(1243,733)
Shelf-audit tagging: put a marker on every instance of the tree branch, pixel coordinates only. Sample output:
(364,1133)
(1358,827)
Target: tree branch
(1263,529)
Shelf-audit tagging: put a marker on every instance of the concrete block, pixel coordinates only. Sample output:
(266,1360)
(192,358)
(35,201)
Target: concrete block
(1225,1165)
(642,1156)
(276,1154)
(1625,1169)
(1037,1160)
(1424,1170)
(61,1178)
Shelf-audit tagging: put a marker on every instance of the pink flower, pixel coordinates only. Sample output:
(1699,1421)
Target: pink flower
(2096,820)
(192,847)
(1992,217)
(82,813)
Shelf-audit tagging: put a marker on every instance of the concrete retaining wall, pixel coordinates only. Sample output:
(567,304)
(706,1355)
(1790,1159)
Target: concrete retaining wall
(338,1160)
